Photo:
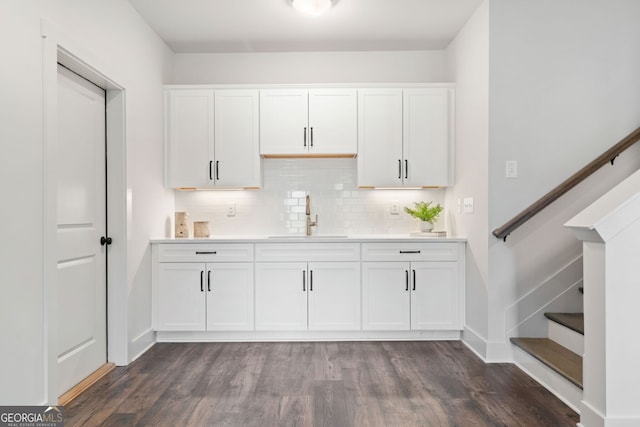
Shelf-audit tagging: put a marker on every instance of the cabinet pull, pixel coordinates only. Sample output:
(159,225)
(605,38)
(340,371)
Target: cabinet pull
(311,137)
(304,281)
(409,252)
(217,170)
(406,169)
(210,168)
(209,280)
(305,137)
(311,280)
(406,278)
(201,281)
(205,252)
(414,280)
(399,169)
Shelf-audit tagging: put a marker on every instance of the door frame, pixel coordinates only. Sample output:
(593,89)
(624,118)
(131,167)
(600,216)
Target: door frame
(57,47)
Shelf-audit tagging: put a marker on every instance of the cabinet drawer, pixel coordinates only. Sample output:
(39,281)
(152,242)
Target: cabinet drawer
(436,251)
(205,252)
(288,252)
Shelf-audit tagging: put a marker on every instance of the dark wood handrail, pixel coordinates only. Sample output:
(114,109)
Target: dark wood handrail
(607,157)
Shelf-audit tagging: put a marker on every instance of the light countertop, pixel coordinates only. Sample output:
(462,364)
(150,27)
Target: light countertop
(361,238)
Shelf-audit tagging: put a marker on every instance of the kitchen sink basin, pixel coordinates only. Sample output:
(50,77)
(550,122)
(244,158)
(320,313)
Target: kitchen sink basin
(298,237)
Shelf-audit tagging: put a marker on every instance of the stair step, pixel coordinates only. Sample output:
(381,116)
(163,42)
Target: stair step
(563,361)
(573,321)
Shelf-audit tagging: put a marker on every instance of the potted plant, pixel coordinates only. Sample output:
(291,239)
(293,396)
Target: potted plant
(426,213)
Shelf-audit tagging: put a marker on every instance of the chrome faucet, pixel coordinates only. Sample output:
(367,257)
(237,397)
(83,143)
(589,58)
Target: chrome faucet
(308,213)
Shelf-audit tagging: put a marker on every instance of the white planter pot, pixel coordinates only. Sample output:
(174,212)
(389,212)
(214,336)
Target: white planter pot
(425,226)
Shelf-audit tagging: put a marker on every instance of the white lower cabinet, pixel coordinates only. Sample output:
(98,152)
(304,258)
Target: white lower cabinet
(412,286)
(205,296)
(320,296)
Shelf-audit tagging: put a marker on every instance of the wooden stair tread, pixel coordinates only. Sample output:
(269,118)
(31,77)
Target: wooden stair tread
(563,361)
(573,321)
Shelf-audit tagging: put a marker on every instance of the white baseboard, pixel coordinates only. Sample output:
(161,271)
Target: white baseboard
(475,343)
(140,344)
(257,336)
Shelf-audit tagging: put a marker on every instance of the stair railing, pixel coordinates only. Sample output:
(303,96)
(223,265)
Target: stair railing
(608,156)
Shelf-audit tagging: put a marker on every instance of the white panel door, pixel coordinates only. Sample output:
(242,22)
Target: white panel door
(426,137)
(189,131)
(333,121)
(230,296)
(435,296)
(181,296)
(281,296)
(237,151)
(334,296)
(385,296)
(380,161)
(81,221)
(284,121)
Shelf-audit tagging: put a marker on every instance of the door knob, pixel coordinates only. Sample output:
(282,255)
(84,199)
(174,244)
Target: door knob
(106,240)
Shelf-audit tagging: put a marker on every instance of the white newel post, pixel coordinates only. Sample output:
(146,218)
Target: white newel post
(610,231)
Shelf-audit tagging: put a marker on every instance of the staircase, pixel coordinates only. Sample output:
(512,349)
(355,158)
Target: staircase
(556,361)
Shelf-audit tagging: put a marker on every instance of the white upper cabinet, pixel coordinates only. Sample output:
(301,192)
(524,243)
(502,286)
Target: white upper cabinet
(301,122)
(404,137)
(380,138)
(237,145)
(212,138)
(189,134)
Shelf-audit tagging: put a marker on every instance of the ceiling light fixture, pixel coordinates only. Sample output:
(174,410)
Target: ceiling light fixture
(312,7)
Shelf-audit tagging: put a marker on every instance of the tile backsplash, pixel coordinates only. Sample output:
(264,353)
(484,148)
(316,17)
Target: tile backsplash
(279,207)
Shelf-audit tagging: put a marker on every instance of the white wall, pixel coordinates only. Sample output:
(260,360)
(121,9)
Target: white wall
(120,44)
(344,211)
(468,58)
(563,79)
(310,67)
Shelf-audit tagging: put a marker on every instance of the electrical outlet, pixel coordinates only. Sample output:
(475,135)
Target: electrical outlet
(394,208)
(231,209)
(511,169)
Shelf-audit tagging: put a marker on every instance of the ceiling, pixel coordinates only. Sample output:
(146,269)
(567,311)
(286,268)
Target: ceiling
(208,26)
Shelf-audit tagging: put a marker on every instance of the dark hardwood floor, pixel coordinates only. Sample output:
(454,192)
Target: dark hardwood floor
(316,384)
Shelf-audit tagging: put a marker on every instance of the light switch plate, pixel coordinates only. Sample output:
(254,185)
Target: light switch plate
(468,204)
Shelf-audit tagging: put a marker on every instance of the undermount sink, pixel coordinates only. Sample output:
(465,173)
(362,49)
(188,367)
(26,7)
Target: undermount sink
(288,236)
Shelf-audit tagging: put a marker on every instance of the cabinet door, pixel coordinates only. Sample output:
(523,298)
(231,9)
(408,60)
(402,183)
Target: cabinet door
(189,138)
(181,297)
(426,137)
(333,121)
(237,156)
(281,296)
(385,296)
(435,298)
(334,296)
(230,297)
(284,122)
(380,162)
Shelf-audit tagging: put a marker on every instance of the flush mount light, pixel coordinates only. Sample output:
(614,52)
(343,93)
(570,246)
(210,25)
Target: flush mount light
(312,7)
